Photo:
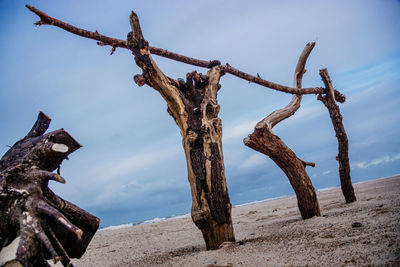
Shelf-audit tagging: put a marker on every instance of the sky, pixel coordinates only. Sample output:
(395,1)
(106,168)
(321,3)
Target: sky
(132,166)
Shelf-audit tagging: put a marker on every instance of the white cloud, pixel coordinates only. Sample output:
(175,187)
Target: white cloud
(378,161)
(240,130)
(306,112)
(326,172)
(117,168)
(254,161)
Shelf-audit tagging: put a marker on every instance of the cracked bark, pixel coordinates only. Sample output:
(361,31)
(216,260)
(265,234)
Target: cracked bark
(193,105)
(329,101)
(35,223)
(265,141)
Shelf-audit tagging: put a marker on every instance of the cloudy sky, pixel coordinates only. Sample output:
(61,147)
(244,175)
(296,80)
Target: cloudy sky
(131,166)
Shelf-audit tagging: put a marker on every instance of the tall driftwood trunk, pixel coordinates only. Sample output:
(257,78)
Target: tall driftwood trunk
(343,144)
(35,223)
(202,142)
(266,142)
(194,107)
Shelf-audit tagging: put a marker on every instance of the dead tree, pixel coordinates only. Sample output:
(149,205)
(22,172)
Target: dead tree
(193,105)
(266,142)
(35,223)
(329,101)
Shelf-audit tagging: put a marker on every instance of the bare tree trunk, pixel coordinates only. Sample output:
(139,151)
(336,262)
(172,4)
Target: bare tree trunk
(35,223)
(266,142)
(343,144)
(194,107)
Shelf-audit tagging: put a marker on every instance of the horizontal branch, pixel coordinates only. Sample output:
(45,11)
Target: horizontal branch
(272,85)
(105,40)
(114,42)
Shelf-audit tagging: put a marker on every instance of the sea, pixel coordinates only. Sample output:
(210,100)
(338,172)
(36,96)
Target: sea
(175,217)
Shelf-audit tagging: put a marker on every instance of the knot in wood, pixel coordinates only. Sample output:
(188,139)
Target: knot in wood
(191,136)
(139,80)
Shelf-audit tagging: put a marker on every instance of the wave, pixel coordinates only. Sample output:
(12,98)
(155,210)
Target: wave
(261,201)
(154,220)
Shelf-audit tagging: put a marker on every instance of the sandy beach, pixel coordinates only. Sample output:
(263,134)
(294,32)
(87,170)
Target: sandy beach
(270,233)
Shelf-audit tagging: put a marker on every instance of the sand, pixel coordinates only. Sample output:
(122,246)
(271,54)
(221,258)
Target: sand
(270,234)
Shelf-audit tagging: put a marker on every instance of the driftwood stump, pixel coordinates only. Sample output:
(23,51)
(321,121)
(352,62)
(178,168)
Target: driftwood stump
(36,224)
(266,142)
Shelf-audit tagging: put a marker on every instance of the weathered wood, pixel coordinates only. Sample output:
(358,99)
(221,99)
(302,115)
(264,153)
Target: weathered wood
(181,95)
(266,142)
(343,144)
(194,107)
(114,43)
(35,223)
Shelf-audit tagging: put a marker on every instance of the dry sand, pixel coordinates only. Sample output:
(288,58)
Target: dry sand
(270,234)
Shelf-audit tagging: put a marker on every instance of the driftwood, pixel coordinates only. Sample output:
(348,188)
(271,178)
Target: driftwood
(329,101)
(35,223)
(194,107)
(114,43)
(266,142)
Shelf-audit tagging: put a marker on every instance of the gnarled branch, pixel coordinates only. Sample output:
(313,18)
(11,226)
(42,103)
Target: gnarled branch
(284,113)
(266,142)
(152,75)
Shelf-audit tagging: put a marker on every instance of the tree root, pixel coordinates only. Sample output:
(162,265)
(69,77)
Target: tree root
(35,224)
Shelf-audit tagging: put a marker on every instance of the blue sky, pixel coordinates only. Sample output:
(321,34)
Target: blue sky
(131,166)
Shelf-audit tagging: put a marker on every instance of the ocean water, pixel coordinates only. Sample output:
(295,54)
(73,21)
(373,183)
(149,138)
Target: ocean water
(154,220)
(175,217)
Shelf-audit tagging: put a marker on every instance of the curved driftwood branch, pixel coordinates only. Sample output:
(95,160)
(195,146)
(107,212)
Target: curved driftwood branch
(266,142)
(343,144)
(284,113)
(152,75)
(36,224)
(114,43)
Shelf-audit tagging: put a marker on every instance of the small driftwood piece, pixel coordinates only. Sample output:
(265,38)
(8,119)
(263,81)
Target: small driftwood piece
(35,223)
(329,100)
(266,142)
